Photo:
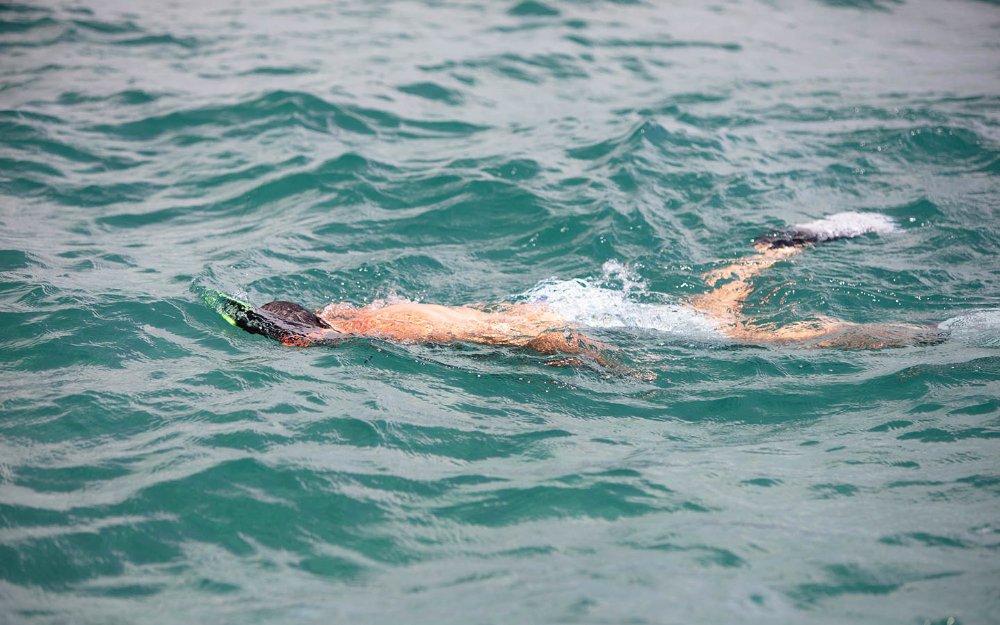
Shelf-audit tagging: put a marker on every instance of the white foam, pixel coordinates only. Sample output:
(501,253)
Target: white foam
(626,274)
(980,329)
(586,304)
(846,225)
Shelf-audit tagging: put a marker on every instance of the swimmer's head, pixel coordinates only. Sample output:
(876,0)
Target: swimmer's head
(292,325)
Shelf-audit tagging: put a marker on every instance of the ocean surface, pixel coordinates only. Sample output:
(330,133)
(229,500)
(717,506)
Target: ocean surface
(160,466)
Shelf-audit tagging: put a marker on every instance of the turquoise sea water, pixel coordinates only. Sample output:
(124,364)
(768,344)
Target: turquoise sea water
(160,466)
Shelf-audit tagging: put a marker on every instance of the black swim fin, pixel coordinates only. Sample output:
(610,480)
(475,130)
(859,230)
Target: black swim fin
(846,225)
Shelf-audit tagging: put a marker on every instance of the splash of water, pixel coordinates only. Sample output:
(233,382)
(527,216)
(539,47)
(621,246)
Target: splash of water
(589,303)
(847,225)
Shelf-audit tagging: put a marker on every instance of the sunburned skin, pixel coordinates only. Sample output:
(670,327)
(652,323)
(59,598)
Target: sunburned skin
(531,326)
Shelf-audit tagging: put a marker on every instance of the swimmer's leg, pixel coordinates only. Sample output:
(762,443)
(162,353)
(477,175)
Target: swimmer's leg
(726,301)
(826,332)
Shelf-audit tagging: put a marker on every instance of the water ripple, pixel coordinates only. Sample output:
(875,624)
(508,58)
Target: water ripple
(158,465)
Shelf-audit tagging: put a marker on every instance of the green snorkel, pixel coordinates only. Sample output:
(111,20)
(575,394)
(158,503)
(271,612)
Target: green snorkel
(228,307)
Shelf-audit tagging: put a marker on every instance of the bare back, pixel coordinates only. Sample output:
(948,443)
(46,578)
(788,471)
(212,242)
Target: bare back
(514,325)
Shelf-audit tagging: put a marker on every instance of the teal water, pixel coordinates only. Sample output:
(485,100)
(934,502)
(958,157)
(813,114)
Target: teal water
(160,466)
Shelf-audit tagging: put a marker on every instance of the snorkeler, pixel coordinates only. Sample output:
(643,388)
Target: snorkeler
(547,326)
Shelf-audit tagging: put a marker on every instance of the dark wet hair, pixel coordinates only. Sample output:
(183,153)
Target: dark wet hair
(293,314)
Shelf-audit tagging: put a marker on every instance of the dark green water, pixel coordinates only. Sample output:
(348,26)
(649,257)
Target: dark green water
(159,466)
